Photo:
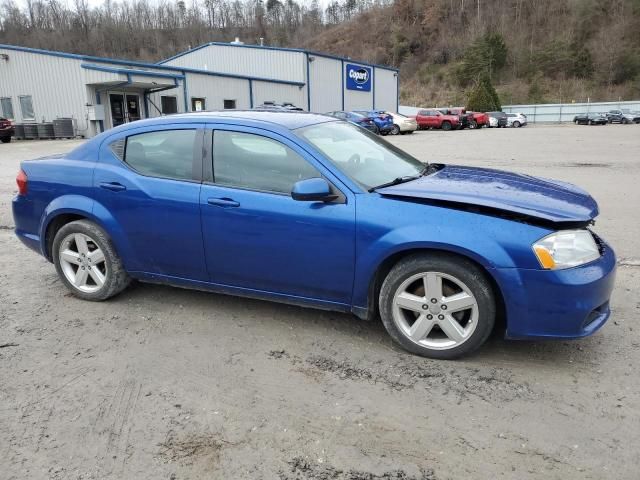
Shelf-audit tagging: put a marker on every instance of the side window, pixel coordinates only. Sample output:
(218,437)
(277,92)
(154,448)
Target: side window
(6,108)
(26,107)
(169,104)
(166,153)
(255,162)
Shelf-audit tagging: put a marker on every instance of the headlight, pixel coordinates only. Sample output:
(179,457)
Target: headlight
(565,249)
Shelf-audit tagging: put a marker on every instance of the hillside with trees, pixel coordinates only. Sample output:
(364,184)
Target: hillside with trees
(449,51)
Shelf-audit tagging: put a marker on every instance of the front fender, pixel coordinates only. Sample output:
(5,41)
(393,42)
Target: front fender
(93,211)
(483,250)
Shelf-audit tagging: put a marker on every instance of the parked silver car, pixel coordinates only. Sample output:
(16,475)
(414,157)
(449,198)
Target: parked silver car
(516,120)
(402,124)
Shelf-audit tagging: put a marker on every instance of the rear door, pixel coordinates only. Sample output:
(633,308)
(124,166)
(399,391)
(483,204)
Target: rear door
(257,237)
(148,180)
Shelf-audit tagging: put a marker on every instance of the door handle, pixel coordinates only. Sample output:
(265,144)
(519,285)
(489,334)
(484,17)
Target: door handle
(223,202)
(113,186)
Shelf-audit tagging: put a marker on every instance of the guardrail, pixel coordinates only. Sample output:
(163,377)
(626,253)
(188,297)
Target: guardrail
(553,112)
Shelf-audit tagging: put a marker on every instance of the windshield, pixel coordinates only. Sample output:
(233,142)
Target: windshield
(361,155)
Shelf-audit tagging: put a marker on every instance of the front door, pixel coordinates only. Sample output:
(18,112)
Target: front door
(257,237)
(125,107)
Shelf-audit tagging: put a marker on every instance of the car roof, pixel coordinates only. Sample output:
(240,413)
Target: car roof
(283,118)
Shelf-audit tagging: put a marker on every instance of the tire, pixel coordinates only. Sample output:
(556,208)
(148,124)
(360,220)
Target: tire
(624,121)
(5,139)
(457,275)
(516,124)
(395,130)
(69,239)
(409,132)
(446,126)
(590,122)
(473,124)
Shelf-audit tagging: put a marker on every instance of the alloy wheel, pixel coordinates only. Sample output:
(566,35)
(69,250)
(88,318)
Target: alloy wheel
(435,310)
(83,262)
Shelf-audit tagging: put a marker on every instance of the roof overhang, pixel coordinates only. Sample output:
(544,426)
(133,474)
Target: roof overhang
(103,76)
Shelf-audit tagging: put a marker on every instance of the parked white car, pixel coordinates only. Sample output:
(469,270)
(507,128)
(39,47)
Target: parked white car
(402,124)
(516,120)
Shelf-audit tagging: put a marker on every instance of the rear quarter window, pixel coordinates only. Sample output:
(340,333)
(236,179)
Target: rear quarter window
(166,153)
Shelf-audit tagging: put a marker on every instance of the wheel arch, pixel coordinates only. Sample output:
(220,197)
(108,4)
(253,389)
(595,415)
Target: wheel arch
(387,263)
(66,209)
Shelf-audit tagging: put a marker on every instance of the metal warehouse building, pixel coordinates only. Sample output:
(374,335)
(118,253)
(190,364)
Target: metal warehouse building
(100,93)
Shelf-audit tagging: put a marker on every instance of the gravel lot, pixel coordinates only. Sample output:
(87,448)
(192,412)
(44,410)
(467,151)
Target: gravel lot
(163,383)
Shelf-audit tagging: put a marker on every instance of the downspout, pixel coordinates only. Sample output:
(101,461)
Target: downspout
(373,87)
(342,83)
(250,93)
(308,85)
(397,92)
(184,91)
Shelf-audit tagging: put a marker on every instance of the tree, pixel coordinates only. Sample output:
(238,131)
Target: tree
(483,97)
(486,56)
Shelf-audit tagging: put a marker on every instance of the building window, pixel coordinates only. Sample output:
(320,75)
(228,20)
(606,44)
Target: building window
(197,104)
(169,105)
(229,104)
(26,107)
(166,153)
(6,108)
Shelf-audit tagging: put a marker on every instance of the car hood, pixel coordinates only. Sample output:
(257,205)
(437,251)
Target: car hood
(540,198)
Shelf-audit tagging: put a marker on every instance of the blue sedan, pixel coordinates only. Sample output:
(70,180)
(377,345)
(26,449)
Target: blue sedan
(306,209)
(382,119)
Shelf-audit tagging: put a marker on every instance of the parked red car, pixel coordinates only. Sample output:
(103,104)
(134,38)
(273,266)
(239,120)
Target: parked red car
(434,119)
(6,130)
(480,120)
(464,118)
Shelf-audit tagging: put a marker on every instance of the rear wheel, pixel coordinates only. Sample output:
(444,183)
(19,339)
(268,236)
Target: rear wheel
(87,262)
(437,306)
(5,139)
(446,126)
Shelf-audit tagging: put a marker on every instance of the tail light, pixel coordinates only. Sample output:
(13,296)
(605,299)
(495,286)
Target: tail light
(22,182)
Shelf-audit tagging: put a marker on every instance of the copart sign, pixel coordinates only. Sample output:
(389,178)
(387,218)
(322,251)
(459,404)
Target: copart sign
(358,77)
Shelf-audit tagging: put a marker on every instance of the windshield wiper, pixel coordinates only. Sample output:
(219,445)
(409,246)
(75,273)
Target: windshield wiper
(399,180)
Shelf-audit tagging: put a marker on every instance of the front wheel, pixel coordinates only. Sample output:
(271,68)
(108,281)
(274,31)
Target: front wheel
(87,262)
(437,306)
(473,124)
(5,139)
(395,130)
(446,126)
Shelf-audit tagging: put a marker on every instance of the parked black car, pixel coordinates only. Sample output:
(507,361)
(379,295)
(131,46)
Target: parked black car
(590,119)
(6,130)
(618,116)
(500,117)
(635,116)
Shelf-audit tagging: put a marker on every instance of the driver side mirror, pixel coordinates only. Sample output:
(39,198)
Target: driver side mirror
(313,190)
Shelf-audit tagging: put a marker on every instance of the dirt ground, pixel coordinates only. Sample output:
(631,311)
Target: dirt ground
(164,383)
